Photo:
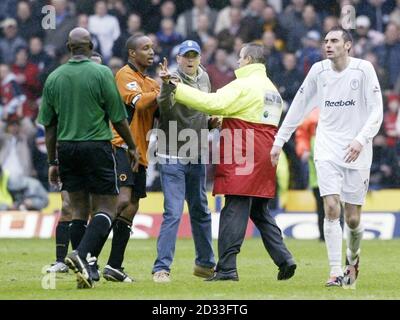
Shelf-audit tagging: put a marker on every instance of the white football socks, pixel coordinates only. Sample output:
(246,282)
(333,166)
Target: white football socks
(353,240)
(333,240)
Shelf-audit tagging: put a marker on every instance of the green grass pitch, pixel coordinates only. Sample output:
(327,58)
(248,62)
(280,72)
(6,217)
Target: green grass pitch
(22,261)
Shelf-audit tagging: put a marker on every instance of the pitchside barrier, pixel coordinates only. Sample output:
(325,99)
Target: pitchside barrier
(381,217)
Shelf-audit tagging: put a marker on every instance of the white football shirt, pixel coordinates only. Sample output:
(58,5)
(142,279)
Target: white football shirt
(350,105)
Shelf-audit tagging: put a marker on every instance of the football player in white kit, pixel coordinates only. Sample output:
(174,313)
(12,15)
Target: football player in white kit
(348,94)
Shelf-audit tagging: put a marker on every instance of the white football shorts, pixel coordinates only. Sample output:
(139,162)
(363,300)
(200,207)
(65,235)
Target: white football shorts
(350,184)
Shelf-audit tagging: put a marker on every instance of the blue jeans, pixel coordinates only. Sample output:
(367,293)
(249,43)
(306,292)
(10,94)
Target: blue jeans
(179,182)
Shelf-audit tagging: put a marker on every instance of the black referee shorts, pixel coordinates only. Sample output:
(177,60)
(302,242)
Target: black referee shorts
(88,166)
(128,178)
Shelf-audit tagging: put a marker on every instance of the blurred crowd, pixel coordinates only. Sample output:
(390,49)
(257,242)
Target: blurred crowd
(291,31)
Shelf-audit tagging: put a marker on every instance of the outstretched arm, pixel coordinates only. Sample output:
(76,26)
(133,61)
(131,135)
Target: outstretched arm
(220,103)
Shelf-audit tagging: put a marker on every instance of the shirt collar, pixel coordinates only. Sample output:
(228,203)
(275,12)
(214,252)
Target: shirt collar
(249,69)
(132,66)
(78,58)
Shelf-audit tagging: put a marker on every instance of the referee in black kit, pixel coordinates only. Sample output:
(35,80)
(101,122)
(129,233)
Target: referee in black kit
(79,99)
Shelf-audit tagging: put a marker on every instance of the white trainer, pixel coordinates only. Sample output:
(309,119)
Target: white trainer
(161,276)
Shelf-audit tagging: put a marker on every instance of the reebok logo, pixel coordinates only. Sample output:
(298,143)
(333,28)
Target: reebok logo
(340,103)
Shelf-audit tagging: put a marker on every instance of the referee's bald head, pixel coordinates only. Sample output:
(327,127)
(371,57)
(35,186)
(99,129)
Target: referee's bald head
(79,41)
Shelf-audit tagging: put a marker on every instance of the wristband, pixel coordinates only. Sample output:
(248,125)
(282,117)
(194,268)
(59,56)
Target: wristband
(53,163)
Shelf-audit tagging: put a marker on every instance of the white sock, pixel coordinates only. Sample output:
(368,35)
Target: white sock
(353,240)
(333,240)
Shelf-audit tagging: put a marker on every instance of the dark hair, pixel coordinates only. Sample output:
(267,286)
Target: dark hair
(132,41)
(22,47)
(346,35)
(255,51)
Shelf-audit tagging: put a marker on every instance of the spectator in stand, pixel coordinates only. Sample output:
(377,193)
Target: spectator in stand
(11,41)
(188,21)
(253,20)
(208,51)
(40,58)
(152,69)
(395,14)
(385,169)
(105,27)
(203,33)
(380,71)
(7,8)
(325,7)
(167,10)
(39,157)
(21,192)
(273,57)
(291,18)
(310,53)
(115,64)
(55,39)
(397,101)
(270,22)
(234,55)
(27,76)
(119,9)
(224,20)
(84,7)
(397,85)
(289,80)
(278,5)
(226,37)
(220,72)
(11,95)
(389,53)
(378,12)
(28,26)
(134,26)
(15,139)
(167,37)
(329,23)
(83,22)
(365,39)
(309,22)
(390,121)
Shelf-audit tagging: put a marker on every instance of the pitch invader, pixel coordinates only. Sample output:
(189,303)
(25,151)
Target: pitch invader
(349,96)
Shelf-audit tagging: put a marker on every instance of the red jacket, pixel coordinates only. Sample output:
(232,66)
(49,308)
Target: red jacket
(32,86)
(260,180)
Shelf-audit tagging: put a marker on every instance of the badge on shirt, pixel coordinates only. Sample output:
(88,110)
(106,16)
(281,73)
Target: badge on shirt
(354,84)
(133,86)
